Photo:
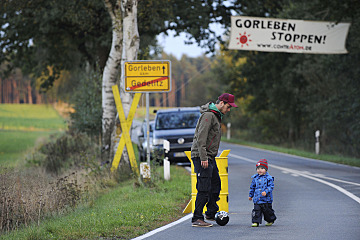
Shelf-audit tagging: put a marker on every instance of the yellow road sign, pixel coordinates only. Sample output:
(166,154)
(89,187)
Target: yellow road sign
(147,76)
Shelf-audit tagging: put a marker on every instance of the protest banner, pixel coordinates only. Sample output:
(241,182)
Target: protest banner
(287,35)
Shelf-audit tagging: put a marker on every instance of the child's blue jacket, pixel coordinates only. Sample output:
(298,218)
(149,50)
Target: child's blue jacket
(259,184)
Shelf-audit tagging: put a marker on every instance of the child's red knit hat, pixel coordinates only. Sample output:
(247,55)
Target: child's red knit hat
(262,163)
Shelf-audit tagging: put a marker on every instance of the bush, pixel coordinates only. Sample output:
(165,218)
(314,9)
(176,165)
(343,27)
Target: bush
(71,150)
(87,104)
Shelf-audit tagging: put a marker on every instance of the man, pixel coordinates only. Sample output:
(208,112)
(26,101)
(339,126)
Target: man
(203,152)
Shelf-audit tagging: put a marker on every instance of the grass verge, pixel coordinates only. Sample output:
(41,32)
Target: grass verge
(127,211)
(330,158)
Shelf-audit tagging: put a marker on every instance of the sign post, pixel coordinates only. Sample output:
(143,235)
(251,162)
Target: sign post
(147,77)
(147,130)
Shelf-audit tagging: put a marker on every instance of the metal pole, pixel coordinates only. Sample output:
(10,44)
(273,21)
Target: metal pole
(147,130)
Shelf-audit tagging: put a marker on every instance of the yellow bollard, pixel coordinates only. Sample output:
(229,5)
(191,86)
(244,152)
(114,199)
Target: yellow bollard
(222,163)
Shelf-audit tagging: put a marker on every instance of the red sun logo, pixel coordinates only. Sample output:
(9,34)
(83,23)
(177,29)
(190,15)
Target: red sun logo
(243,39)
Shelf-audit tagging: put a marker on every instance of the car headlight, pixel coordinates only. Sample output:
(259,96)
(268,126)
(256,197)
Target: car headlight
(158,141)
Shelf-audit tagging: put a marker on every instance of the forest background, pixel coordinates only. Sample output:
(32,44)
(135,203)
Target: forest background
(59,49)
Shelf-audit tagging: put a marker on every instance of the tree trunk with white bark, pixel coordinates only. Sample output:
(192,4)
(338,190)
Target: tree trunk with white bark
(125,45)
(130,48)
(110,76)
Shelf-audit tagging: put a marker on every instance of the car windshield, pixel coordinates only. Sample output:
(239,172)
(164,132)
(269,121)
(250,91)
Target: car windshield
(177,120)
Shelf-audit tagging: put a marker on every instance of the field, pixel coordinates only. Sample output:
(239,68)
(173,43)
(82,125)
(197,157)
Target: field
(27,117)
(22,126)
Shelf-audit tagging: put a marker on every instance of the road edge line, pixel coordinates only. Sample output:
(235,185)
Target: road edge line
(187,217)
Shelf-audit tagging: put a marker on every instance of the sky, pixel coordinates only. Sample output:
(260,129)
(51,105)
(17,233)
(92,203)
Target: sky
(177,47)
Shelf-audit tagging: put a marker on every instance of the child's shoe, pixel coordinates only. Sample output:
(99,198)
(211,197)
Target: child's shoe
(255,225)
(269,223)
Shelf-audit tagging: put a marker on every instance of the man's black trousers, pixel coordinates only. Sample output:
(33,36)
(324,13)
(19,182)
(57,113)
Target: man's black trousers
(263,208)
(208,186)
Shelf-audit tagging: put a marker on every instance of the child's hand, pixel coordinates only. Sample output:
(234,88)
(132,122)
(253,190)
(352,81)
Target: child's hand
(263,193)
(250,198)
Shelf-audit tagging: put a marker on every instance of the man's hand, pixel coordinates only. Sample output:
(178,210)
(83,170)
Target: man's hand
(205,164)
(263,193)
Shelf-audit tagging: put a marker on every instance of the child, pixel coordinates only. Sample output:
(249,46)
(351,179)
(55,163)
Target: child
(261,189)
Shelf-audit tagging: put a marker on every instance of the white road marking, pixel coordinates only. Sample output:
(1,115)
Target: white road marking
(187,217)
(312,177)
(333,179)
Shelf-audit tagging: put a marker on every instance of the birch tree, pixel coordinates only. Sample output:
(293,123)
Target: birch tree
(125,45)
(110,75)
(131,43)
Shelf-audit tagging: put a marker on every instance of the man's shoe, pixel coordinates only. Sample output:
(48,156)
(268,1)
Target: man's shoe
(269,223)
(255,225)
(209,218)
(201,223)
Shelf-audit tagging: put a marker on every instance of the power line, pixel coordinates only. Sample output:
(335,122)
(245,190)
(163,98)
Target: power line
(184,84)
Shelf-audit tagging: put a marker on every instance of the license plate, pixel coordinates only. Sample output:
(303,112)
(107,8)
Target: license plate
(179,154)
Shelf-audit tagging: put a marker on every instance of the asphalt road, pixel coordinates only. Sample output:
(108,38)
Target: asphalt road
(312,200)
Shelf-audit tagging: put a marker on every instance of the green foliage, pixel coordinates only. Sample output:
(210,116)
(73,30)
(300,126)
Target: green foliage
(68,35)
(62,34)
(330,82)
(87,104)
(261,8)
